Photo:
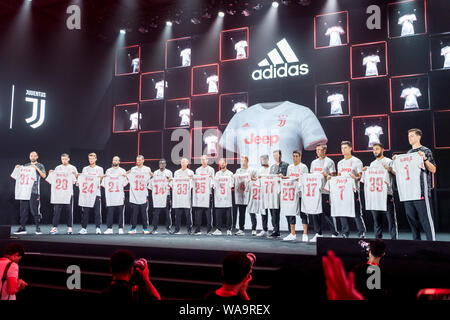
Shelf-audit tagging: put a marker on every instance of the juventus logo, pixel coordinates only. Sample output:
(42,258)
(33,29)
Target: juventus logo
(282,118)
(38,105)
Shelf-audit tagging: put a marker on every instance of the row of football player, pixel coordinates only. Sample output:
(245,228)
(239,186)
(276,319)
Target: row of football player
(257,201)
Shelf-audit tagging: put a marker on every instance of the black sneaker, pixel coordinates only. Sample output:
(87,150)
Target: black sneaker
(21,230)
(275,234)
(154,231)
(38,230)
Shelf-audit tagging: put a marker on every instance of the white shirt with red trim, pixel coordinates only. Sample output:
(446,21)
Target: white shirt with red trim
(25,178)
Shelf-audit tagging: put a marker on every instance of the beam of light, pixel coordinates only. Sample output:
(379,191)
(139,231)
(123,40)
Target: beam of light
(275,4)
(169,23)
(123,31)
(221,14)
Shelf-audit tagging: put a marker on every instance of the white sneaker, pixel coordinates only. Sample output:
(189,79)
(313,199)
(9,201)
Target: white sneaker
(108,231)
(197,233)
(82,231)
(253,232)
(262,234)
(305,238)
(314,239)
(98,231)
(69,230)
(290,237)
(54,230)
(121,231)
(179,232)
(217,233)
(240,233)
(132,231)
(229,233)
(145,231)
(334,236)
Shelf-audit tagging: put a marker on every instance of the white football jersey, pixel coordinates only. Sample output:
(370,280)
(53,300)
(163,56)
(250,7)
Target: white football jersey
(183,173)
(114,184)
(295,171)
(69,168)
(239,106)
(211,144)
(259,130)
(25,178)
(223,182)
(181,191)
(160,189)
(159,86)
(376,181)
(62,182)
(135,65)
(134,118)
(311,191)
(184,115)
(89,185)
(253,197)
(379,163)
(163,173)
(335,100)
(323,165)
(270,188)
(445,51)
(346,167)
(289,197)
(408,168)
(335,35)
(201,191)
(212,83)
(371,65)
(373,132)
(139,178)
(94,172)
(185,55)
(240,47)
(241,177)
(342,196)
(410,95)
(407,21)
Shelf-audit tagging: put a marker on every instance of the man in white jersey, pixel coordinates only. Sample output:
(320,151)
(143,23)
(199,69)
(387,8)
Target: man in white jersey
(212,81)
(241,177)
(181,196)
(185,55)
(64,186)
(376,186)
(160,195)
(334,33)
(138,177)
(96,172)
(352,167)
(223,183)
(241,49)
(204,171)
(410,95)
(266,127)
(114,181)
(371,65)
(294,171)
(419,212)
(263,170)
(324,165)
(33,204)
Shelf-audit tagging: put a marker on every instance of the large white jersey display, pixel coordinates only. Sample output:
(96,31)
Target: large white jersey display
(212,83)
(240,47)
(342,196)
(263,128)
(376,182)
(25,178)
(185,55)
(406,21)
(410,95)
(445,52)
(335,100)
(373,132)
(371,65)
(408,168)
(335,35)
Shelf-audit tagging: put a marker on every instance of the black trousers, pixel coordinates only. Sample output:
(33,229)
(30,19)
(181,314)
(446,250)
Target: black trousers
(253,220)
(325,215)
(239,208)
(265,220)
(391,218)
(26,206)
(291,220)
(98,213)
(361,227)
(68,208)
(143,210)
(110,215)
(419,214)
(304,217)
(224,212)
(178,213)
(155,219)
(199,211)
(275,214)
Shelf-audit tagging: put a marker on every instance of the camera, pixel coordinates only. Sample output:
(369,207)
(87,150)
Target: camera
(365,246)
(138,267)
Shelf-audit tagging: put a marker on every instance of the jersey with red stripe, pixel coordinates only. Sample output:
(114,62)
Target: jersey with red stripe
(376,182)
(295,171)
(270,188)
(240,179)
(88,185)
(201,191)
(114,185)
(253,197)
(223,183)
(342,196)
(311,188)
(408,168)
(25,178)
(160,190)
(290,197)
(138,186)
(62,182)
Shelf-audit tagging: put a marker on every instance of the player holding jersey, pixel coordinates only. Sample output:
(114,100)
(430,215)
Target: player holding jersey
(253,200)
(351,166)
(241,177)
(324,165)
(181,196)
(161,195)
(205,205)
(32,204)
(263,170)
(138,177)
(93,172)
(223,183)
(279,168)
(373,187)
(114,181)
(62,180)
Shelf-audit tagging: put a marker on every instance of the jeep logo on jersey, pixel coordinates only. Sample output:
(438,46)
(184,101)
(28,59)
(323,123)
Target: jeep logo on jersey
(279,67)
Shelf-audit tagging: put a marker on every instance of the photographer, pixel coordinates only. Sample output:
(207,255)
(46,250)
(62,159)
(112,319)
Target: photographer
(370,279)
(130,280)
(10,283)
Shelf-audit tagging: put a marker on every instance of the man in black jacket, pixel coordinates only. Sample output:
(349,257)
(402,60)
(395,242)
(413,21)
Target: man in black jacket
(278,168)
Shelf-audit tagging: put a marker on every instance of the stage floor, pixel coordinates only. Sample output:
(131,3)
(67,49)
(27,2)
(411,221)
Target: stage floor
(184,241)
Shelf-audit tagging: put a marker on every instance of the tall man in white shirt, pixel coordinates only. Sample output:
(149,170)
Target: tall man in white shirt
(95,171)
(351,166)
(183,208)
(223,198)
(204,170)
(166,173)
(241,177)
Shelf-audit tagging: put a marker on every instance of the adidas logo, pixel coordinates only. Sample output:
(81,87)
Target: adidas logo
(290,66)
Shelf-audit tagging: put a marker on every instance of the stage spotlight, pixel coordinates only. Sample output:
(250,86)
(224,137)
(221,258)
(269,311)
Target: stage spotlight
(221,14)
(275,4)
(169,23)
(245,12)
(123,31)
(195,20)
